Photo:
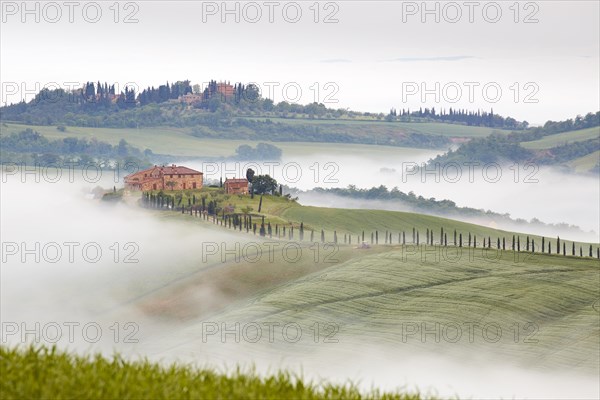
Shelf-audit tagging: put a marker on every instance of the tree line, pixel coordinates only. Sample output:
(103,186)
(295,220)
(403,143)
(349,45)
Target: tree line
(209,211)
(460,116)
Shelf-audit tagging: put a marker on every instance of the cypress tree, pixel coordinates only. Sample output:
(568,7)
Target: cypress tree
(372,238)
(558,245)
(513,243)
(474,241)
(573,249)
(302,232)
(460,240)
(498,244)
(469,242)
(312,235)
(503,243)
(445,240)
(532,246)
(417,238)
(527,244)
(322,236)
(335,237)
(591,251)
(363,236)
(489,242)
(543,243)
(403,238)
(260,203)
(564,249)
(376,237)
(580,252)
(455,237)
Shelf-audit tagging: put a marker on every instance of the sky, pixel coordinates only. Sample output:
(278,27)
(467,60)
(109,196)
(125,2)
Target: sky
(533,61)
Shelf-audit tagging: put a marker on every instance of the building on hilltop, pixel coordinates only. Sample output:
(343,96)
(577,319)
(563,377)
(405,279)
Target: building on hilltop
(190,98)
(236,186)
(225,89)
(171,177)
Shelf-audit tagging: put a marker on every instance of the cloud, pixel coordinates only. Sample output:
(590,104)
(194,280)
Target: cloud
(443,58)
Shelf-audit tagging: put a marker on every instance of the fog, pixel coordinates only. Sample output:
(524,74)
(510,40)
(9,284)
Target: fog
(105,292)
(523,191)
(332,200)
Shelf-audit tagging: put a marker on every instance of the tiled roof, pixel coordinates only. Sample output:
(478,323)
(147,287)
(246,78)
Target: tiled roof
(166,170)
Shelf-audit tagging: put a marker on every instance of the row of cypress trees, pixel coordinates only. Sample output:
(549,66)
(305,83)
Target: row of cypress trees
(244,222)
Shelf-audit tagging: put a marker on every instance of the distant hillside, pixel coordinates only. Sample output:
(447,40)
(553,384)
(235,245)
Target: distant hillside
(238,111)
(556,143)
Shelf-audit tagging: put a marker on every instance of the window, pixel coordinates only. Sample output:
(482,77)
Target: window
(184,185)
(171,175)
(193,185)
(154,186)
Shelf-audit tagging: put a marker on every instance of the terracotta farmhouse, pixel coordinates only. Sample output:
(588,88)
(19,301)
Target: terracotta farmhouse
(166,178)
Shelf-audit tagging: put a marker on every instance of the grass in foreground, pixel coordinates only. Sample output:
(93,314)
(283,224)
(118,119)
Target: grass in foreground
(47,373)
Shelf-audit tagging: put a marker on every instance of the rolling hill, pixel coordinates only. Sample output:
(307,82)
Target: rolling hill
(558,139)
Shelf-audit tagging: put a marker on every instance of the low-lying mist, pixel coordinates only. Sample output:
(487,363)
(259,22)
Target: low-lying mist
(97,296)
(523,191)
(336,201)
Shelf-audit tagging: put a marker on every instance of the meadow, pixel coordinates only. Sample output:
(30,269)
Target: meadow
(42,372)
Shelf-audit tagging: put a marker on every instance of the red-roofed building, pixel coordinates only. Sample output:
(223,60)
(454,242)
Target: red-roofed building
(236,186)
(169,177)
(225,89)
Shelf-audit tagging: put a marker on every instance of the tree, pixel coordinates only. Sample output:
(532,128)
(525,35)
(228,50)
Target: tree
(262,184)
(250,174)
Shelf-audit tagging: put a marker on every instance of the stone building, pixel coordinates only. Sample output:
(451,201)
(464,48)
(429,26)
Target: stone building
(236,186)
(164,178)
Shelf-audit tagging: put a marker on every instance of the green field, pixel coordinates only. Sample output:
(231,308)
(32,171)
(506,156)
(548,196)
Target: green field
(559,139)
(433,128)
(553,299)
(44,373)
(371,294)
(585,163)
(180,142)
(237,281)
